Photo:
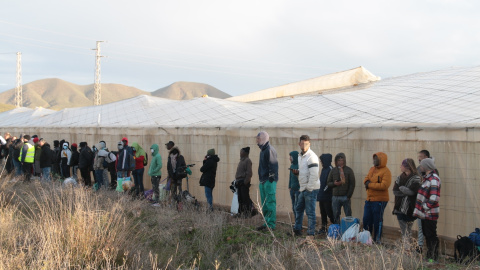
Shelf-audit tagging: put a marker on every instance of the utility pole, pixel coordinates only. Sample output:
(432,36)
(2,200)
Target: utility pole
(97,93)
(18,88)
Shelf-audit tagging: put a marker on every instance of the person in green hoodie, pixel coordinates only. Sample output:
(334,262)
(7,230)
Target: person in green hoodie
(293,184)
(155,170)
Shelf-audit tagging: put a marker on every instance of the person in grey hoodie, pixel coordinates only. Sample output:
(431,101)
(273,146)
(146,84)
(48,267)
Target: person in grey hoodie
(342,180)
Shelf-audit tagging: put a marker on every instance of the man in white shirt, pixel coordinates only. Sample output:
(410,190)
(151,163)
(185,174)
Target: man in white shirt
(308,169)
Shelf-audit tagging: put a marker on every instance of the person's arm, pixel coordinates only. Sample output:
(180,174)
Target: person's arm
(396,190)
(249,173)
(313,172)
(330,183)
(272,164)
(206,166)
(434,194)
(351,184)
(382,183)
(24,152)
(141,158)
(69,156)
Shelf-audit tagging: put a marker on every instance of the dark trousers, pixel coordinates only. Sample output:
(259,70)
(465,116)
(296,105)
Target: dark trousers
(27,170)
(86,176)
(138,180)
(326,210)
(429,228)
(155,186)
(65,170)
(373,219)
(55,169)
(9,165)
(244,201)
(113,175)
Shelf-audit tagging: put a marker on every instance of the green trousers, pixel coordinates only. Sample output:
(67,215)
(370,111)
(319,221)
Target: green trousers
(269,203)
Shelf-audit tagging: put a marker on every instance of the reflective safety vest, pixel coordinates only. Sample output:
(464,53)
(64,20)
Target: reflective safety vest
(29,158)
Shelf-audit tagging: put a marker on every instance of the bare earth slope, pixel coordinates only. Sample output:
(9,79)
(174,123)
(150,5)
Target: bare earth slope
(188,90)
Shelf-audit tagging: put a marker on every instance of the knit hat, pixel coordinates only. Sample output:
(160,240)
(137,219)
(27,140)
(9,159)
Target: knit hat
(83,144)
(246,149)
(35,140)
(74,145)
(427,164)
(211,152)
(56,143)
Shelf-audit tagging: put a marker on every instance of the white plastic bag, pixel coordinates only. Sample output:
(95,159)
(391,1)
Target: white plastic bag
(351,234)
(365,237)
(234,207)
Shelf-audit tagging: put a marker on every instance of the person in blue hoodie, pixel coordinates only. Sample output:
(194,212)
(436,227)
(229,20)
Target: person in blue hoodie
(293,184)
(324,196)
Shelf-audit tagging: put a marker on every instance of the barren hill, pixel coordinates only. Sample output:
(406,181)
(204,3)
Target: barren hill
(188,90)
(6,107)
(57,94)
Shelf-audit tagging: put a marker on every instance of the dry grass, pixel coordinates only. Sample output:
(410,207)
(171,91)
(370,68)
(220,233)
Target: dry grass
(47,226)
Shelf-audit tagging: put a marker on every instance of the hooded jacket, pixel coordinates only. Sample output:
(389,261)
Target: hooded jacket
(180,162)
(209,171)
(244,171)
(139,156)
(427,204)
(325,193)
(86,157)
(46,156)
(268,165)
(66,154)
(156,164)
(380,179)
(348,187)
(99,157)
(75,156)
(308,171)
(293,183)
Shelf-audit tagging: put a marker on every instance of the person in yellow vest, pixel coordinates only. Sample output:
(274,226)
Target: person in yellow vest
(27,157)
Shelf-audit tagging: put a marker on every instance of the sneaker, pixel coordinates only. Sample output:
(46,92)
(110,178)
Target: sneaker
(297,233)
(156,204)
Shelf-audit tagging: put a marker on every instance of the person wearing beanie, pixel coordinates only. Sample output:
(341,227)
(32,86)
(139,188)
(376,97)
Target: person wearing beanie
(427,206)
(27,157)
(268,177)
(324,197)
(293,184)
(405,190)
(243,178)
(376,183)
(209,173)
(341,181)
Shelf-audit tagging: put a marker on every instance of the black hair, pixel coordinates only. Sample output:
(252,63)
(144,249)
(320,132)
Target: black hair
(425,152)
(246,149)
(305,138)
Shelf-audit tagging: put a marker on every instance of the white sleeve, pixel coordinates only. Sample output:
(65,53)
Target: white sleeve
(2,140)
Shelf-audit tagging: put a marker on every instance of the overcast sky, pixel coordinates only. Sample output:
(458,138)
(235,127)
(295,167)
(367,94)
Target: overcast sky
(235,46)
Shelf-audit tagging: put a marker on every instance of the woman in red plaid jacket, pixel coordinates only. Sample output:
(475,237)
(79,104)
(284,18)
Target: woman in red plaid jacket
(427,207)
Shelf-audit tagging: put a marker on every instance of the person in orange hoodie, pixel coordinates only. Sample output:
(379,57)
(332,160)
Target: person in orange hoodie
(376,183)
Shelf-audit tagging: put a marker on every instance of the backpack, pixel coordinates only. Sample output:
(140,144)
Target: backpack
(145,161)
(475,237)
(465,248)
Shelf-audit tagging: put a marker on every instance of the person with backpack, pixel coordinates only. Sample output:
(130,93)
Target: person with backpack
(376,183)
(427,206)
(324,197)
(293,184)
(176,167)
(341,181)
(84,163)
(46,158)
(209,173)
(66,155)
(74,161)
(140,163)
(405,190)
(155,171)
(98,165)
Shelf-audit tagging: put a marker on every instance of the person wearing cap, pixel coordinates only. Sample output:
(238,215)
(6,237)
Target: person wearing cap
(427,206)
(209,173)
(45,160)
(268,178)
(170,145)
(243,178)
(27,157)
(376,183)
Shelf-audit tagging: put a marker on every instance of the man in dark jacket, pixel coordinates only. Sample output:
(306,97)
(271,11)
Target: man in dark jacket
(293,184)
(243,177)
(74,160)
(85,162)
(175,166)
(324,197)
(268,177)
(56,158)
(16,148)
(209,170)
(46,156)
(342,180)
(6,152)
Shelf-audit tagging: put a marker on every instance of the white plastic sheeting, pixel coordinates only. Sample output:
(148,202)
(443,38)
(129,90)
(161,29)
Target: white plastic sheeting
(445,97)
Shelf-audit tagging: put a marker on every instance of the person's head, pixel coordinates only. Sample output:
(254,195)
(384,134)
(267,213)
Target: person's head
(211,152)
(376,161)
(408,165)
(74,147)
(170,145)
(14,138)
(120,145)
(326,160)
(26,138)
(7,136)
(35,140)
(423,155)
(56,143)
(427,165)
(41,142)
(83,145)
(125,141)
(304,143)
(293,157)
(34,136)
(262,138)
(65,145)
(244,152)
(340,160)
(103,144)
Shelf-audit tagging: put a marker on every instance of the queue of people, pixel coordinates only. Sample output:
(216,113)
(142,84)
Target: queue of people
(416,189)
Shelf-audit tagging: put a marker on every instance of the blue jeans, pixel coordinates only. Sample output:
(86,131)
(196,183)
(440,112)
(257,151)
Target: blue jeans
(18,167)
(306,202)
(209,196)
(373,219)
(138,180)
(337,203)
(46,173)
(99,178)
(293,195)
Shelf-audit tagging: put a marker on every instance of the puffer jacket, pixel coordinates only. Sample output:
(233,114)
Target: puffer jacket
(380,179)
(156,164)
(209,170)
(325,193)
(308,171)
(348,187)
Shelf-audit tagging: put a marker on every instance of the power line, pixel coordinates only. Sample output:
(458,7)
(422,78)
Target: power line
(97,95)
(18,88)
